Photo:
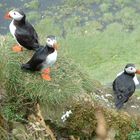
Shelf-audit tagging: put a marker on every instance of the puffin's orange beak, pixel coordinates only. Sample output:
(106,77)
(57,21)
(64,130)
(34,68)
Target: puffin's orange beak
(55,46)
(137,71)
(7,16)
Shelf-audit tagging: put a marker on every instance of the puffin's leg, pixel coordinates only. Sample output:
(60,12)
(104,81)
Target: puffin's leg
(47,70)
(17,48)
(46,74)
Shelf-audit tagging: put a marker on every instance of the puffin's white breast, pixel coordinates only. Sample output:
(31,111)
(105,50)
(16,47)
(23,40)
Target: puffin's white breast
(136,80)
(12,28)
(50,60)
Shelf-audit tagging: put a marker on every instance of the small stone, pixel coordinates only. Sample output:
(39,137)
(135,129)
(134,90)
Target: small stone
(133,106)
(108,95)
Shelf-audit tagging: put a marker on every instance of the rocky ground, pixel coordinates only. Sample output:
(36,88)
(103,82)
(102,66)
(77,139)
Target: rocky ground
(132,107)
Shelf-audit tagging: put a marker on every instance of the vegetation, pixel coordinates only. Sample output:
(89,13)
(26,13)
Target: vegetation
(25,88)
(33,16)
(97,38)
(34,4)
(84,119)
(98,30)
(68,90)
(135,135)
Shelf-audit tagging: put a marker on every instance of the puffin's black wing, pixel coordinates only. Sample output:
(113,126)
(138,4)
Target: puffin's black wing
(27,36)
(35,63)
(119,85)
(123,87)
(124,84)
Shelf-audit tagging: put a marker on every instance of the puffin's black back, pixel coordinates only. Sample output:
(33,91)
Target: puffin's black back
(36,62)
(26,34)
(123,87)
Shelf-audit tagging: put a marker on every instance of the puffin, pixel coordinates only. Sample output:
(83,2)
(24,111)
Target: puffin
(125,84)
(23,32)
(43,58)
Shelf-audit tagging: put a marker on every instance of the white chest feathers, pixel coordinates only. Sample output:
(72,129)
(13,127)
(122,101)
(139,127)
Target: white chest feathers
(12,28)
(134,79)
(50,60)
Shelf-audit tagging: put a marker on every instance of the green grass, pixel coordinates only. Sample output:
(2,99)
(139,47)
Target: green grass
(135,135)
(102,54)
(33,16)
(90,50)
(25,88)
(34,4)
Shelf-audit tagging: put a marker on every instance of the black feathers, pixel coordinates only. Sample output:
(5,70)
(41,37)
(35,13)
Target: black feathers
(25,33)
(34,64)
(123,87)
(27,36)
(37,60)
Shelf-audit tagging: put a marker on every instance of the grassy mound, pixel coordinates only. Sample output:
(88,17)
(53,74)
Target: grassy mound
(25,88)
(69,85)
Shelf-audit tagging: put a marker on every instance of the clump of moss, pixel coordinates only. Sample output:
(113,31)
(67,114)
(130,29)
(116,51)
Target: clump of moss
(135,135)
(84,120)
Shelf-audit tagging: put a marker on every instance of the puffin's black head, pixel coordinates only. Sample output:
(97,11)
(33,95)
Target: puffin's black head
(21,12)
(51,41)
(52,37)
(130,69)
(17,15)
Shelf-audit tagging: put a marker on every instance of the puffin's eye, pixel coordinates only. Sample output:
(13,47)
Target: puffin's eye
(14,13)
(48,40)
(131,68)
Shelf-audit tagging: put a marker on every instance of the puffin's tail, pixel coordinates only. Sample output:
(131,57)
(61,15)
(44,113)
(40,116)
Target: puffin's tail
(25,67)
(120,100)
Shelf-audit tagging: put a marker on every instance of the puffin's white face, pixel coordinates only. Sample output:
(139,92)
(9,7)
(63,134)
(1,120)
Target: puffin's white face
(51,42)
(130,70)
(15,15)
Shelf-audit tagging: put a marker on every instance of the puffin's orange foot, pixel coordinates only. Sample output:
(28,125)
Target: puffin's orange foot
(47,71)
(46,76)
(17,48)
